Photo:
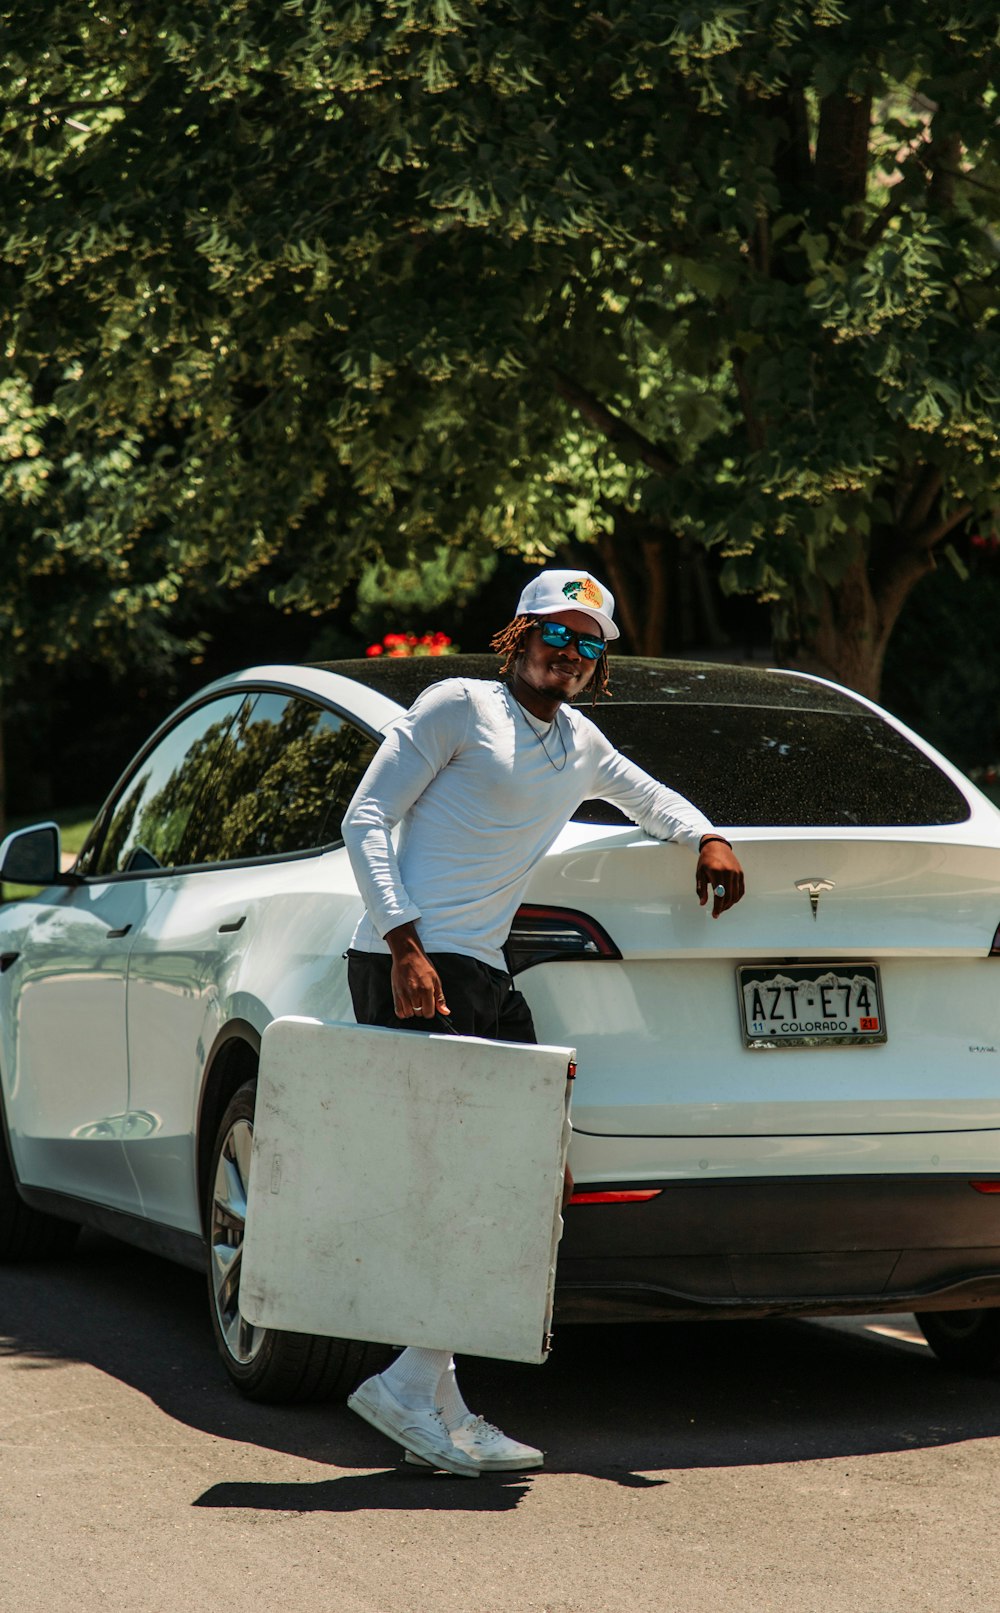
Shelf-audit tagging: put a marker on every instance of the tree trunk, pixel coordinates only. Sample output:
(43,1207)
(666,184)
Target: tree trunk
(655,597)
(847,637)
(664,596)
(841,166)
(708,596)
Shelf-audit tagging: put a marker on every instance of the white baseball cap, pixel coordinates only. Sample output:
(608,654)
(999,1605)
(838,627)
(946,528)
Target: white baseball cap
(554,591)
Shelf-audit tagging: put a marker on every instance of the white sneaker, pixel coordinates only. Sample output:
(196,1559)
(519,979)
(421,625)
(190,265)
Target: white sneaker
(423,1431)
(494,1452)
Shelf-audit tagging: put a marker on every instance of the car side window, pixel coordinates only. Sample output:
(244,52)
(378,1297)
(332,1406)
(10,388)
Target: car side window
(148,823)
(357,750)
(285,773)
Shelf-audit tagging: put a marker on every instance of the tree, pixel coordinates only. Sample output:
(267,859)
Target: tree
(353,279)
(72,588)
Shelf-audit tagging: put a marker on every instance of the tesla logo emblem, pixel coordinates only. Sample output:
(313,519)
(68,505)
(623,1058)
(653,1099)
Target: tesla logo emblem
(815,888)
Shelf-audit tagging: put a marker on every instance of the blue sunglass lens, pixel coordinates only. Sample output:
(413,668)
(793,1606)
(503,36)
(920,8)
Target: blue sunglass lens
(557,636)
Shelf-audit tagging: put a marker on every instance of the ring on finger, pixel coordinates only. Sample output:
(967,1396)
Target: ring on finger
(719,890)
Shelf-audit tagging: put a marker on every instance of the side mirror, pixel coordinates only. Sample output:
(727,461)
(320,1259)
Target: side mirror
(32,857)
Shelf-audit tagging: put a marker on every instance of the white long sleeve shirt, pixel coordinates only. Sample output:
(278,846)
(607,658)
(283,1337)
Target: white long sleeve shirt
(481,789)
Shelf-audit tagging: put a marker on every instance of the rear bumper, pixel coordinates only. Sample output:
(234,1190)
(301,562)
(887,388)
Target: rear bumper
(795,1246)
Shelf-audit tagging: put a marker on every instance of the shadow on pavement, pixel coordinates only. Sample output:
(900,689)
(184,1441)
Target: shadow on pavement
(378,1492)
(621,1404)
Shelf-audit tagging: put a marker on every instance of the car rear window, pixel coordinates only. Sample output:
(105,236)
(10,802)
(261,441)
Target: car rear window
(753,766)
(752,747)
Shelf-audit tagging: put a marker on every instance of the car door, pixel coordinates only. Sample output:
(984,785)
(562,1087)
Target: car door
(68,1101)
(66,1104)
(254,888)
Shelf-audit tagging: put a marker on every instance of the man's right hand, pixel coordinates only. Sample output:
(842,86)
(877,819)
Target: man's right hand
(416,985)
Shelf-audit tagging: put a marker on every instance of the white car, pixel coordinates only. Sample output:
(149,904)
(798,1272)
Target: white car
(792,1110)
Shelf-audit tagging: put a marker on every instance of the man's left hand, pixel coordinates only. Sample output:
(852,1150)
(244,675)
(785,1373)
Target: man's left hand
(718,865)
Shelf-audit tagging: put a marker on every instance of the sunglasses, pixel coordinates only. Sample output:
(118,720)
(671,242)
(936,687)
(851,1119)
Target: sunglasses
(558,636)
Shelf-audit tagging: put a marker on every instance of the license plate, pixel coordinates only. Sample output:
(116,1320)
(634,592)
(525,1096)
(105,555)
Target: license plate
(822,1005)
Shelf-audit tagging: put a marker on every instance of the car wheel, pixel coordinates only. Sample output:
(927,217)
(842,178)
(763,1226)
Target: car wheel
(263,1363)
(969,1339)
(27,1234)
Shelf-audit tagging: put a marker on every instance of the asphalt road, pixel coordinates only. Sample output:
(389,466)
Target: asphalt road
(738,1467)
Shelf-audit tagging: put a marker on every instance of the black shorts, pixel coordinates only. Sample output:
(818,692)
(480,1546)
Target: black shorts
(482,1000)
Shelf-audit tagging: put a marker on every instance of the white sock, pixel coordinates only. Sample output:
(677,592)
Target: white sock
(414,1376)
(449,1398)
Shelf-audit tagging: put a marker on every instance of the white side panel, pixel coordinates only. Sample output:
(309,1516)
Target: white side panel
(620,1160)
(406,1188)
(208,957)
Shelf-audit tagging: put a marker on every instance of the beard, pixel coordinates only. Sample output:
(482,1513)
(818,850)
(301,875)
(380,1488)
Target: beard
(557,690)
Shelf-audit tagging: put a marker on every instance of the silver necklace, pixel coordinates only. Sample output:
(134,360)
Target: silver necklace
(556,766)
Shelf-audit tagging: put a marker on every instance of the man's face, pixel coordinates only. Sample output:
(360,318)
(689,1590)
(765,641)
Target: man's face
(560,674)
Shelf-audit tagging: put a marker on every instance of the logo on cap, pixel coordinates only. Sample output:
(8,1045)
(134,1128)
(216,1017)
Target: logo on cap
(585,590)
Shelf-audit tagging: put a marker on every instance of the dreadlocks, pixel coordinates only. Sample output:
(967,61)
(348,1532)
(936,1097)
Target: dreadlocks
(510,642)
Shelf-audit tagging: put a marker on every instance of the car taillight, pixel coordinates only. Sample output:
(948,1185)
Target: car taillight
(545,934)
(989,1186)
(630,1195)
(995,948)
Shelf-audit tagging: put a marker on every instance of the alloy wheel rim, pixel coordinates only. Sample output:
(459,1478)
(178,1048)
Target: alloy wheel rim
(229,1216)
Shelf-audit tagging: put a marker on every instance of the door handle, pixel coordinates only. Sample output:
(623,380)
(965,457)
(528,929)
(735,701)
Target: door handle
(116,935)
(230,929)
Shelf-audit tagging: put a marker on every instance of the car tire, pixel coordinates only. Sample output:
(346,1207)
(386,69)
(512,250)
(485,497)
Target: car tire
(965,1339)
(27,1234)
(264,1364)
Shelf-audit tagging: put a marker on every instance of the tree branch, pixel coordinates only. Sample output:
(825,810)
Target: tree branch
(611,425)
(933,532)
(755,429)
(842,139)
(40,108)
(763,240)
(877,228)
(935,158)
(944,156)
(908,554)
(793,158)
(970,179)
(921,500)
(917,158)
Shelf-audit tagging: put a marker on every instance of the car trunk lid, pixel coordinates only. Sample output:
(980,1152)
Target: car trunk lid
(660,1033)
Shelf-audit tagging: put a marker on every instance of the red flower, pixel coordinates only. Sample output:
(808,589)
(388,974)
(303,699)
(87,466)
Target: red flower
(400,644)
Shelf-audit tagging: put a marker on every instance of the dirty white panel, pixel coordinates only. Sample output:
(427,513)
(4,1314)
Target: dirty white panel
(406,1188)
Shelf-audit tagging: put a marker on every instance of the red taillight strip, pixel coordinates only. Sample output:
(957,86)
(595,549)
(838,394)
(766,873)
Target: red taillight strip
(986,1187)
(574,919)
(634,1195)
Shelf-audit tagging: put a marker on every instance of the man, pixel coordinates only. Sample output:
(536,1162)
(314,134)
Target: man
(482,775)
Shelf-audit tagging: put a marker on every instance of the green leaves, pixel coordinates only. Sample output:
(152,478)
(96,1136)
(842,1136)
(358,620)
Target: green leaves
(296,291)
